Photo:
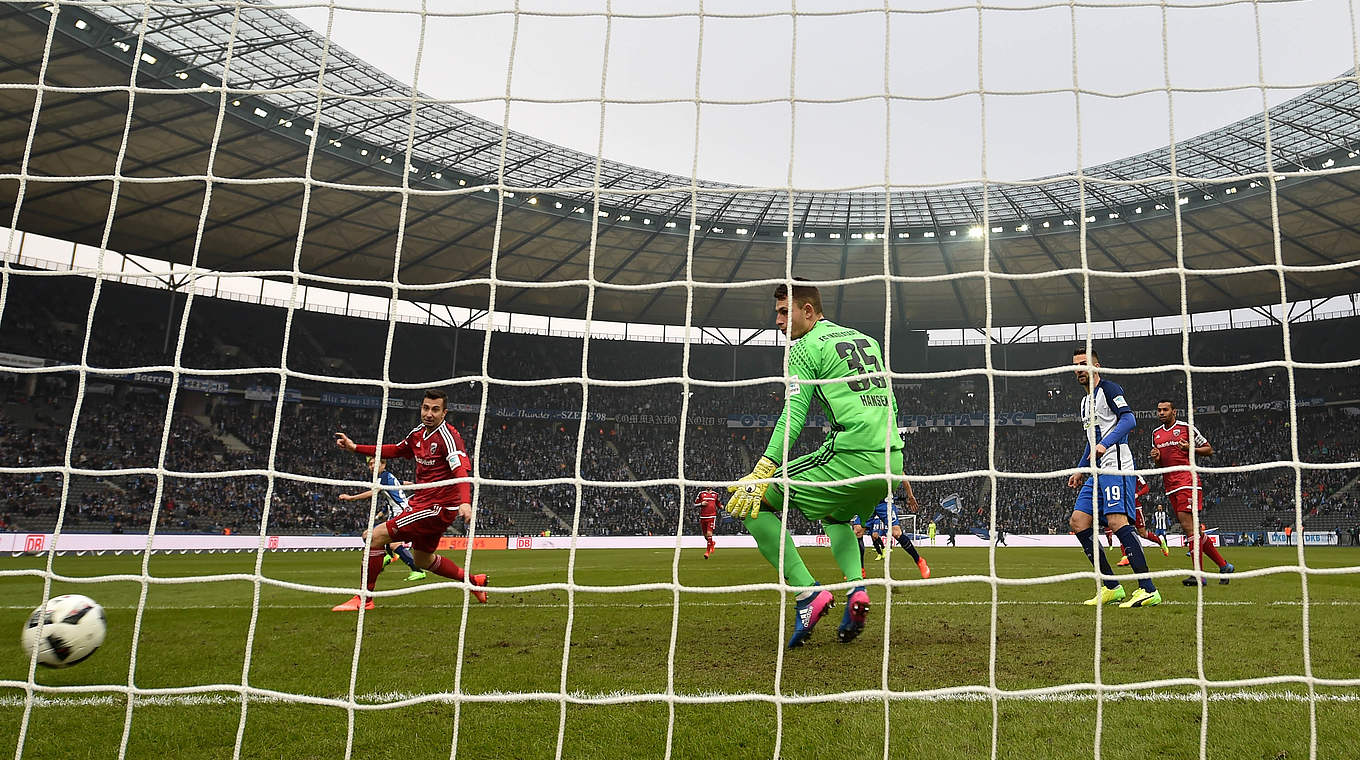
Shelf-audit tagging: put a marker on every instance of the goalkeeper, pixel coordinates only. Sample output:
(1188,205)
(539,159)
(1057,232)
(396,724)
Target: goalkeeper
(863,440)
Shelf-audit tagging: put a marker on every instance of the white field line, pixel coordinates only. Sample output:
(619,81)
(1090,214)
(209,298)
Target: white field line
(669,605)
(373,699)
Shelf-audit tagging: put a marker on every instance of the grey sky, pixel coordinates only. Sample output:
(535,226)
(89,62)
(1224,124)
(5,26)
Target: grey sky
(932,55)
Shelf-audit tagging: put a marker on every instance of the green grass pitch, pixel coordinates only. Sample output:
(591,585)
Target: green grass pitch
(726,643)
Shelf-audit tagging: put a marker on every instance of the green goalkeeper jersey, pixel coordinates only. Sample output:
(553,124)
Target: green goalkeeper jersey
(862,411)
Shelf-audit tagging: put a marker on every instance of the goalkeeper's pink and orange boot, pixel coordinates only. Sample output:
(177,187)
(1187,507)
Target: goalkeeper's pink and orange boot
(856,612)
(478,580)
(807,613)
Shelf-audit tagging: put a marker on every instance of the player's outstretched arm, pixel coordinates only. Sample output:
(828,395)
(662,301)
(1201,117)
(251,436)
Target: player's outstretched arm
(357,496)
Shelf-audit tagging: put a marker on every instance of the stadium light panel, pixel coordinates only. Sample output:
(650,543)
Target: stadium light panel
(182,75)
(1090,219)
(308,131)
(149,59)
(787,233)
(1138,210)
(80,24)
(260,112)
(123,46)
(903,235)
(464,182)
(533,201)
(1350,155)
(928,234)
(626,218)
(1329,163)
(509,194)
(998,229)
(438,175)
(646,221)
(602,214)
(856,236)
(1113,215)
(1230,191)
(1068,223)
(973,232)
(1208,197)
(1022,228)
(1045,225)
(953,233)
(718,230)
(741,230)
(837,236)
(868,236)
(236,103)
(809,234)
(1182,201)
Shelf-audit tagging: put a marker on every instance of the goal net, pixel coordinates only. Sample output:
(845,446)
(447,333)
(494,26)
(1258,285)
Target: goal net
(237,228)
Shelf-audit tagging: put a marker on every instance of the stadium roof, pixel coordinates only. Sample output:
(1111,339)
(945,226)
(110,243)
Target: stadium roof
(354,203)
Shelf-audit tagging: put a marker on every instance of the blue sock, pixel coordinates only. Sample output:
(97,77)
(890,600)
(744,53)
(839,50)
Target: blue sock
(1084,536)
(878,543)
(1128,536)
(905,543)
(405,555)
(861,551)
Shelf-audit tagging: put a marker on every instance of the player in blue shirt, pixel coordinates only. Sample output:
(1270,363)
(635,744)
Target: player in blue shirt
(1107,419)
(391,503)
(884,522)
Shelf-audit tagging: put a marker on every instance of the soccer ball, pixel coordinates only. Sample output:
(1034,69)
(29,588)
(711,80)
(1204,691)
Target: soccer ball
(65,631)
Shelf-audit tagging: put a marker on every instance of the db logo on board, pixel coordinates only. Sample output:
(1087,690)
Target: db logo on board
(272,543)
(524,542)
(822,540)
(34,542)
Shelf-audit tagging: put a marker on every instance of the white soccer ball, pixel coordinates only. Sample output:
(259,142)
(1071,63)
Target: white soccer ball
(65,631)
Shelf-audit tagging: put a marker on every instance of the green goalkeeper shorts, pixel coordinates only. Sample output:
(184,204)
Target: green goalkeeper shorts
(836,503)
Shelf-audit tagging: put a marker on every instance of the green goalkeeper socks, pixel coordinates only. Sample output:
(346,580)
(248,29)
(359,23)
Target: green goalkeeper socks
(845,547)
(768,531)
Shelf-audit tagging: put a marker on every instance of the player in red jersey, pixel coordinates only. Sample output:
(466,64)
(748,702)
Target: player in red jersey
(439,454)
(1171,448)
(707,502)
(1140,525)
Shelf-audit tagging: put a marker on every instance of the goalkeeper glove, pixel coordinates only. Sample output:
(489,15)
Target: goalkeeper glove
(745,501)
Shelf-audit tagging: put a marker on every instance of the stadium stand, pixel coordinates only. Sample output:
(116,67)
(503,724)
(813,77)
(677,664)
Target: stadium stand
(632,435)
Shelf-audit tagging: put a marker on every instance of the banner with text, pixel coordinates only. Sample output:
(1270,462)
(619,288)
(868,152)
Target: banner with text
(973,419)
(203,384)
(261,393)
(770,420)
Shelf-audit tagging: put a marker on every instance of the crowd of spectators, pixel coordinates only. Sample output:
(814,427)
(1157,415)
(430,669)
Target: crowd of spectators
(632,434)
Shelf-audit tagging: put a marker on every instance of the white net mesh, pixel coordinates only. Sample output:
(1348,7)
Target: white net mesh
(787,213)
